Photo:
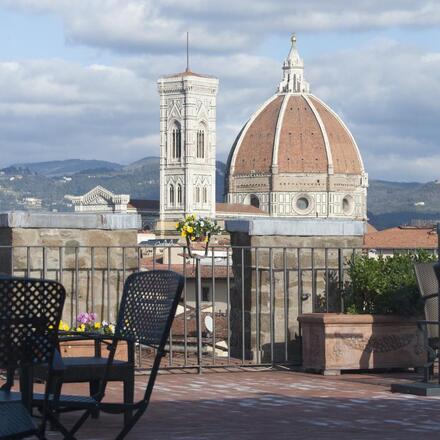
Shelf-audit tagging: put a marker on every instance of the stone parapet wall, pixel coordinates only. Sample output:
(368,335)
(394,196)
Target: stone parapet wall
(277,278)
(92,264)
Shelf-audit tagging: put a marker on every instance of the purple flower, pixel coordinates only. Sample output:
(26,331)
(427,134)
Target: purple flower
(86,318)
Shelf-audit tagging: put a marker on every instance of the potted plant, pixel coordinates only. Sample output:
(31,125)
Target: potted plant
(72,345)
(378,328)
(197,229)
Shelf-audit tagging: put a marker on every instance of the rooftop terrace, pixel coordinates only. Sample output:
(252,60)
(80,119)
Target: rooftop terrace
(275,404)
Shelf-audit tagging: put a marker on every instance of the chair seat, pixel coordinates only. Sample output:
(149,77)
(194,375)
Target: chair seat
(87,368)
(67,401)
(15,418)
(9,396)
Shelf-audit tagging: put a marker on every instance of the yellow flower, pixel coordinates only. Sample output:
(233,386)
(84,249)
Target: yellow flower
(51,327)
(79,329)
(63,326)
(193,238)
(190,229)
(97,325)
(183,234)
(111,327)
(177,225)
(184,227)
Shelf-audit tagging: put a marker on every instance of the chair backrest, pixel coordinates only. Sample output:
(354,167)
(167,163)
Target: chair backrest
(148,305)
(428,283)
(30,312)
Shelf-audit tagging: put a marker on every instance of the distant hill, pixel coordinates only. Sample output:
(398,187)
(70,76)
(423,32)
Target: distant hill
(139,179)
(397,203)
(389,203)
(146,161)
(65,167)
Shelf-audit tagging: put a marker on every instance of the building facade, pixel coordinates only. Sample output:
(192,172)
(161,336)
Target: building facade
(187,145)
(295,157)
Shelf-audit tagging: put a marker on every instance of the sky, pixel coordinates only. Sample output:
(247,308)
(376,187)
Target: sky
(78,79)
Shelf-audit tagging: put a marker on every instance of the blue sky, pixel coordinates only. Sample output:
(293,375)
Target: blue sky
(78,79)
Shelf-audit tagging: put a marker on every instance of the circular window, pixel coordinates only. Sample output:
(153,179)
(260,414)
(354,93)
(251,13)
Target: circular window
(302,203)
(347,204)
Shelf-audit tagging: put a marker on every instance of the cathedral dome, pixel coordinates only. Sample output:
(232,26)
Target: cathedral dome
(295,133)
(296,152)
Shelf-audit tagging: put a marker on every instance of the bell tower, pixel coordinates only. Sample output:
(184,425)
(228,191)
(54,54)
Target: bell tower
(187,146)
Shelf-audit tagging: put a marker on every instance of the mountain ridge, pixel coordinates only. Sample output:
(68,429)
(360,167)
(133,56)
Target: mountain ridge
(389,203)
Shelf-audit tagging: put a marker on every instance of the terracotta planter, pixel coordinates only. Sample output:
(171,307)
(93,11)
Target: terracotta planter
(87,348)
(332,342)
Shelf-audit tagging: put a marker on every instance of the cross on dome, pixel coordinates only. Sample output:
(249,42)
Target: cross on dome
(293,72)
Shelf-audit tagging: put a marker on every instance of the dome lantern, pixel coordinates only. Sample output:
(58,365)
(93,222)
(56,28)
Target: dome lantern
(293,72)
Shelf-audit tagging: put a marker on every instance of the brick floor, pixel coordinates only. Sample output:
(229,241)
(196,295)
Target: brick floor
(275,405)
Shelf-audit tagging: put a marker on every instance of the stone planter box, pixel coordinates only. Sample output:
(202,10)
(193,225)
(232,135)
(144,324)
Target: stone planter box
(332,342)
(87,348)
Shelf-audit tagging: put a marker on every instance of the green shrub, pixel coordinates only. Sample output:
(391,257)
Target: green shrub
(384,285)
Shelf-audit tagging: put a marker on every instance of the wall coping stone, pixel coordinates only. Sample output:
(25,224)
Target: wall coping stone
(297,227)
(107,221)
(342,318)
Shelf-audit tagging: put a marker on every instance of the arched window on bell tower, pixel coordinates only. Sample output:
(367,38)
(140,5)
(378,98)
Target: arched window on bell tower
(171,191)
(176,141)
(179,194)
(201,142)
(197,194)
(205,194)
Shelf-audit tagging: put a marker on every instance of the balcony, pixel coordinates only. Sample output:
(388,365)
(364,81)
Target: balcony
(273,404)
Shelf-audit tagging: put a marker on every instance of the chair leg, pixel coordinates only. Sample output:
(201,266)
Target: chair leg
(94,389)
(128,395)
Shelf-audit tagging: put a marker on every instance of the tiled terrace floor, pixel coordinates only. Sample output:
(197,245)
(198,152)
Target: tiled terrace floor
(275,405)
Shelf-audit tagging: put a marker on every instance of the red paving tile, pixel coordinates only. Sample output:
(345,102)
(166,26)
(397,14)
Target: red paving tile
(274,405)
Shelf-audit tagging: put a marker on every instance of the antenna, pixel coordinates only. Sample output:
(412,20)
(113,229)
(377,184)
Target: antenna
(187,51)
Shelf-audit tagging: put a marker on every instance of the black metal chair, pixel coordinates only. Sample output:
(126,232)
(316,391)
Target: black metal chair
(428,280)
(148,305)
(91,369)
(30,311)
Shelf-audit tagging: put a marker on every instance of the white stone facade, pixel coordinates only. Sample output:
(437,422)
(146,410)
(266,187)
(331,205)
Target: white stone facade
(187,145)
(100,199)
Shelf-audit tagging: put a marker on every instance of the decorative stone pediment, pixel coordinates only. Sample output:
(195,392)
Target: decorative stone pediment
(100,199)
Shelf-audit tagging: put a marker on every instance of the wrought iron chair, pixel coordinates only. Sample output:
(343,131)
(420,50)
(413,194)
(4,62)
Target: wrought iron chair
(30,311)
(148,305)
(91,369)
(428,280)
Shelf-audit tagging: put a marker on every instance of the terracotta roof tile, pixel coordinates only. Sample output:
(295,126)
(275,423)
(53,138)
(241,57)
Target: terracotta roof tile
(402,238)
(236,207)
(256,149)
(344,154)
(301,146)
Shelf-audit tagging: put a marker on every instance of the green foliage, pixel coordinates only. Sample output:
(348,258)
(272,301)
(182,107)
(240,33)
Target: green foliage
(384,285)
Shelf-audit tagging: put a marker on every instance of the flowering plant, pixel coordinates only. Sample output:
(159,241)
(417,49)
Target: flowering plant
(86,322)
(194,229)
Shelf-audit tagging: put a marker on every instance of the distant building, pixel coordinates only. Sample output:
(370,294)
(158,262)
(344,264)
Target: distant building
(32,202)
(295,157)
(100,200)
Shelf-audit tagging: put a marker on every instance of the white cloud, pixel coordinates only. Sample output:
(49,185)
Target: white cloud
(387,92)
(152,26)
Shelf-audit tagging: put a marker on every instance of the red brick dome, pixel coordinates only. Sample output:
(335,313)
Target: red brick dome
(295,133)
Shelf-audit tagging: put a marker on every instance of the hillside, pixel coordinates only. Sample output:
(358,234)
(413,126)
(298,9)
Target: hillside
(67,167)
(140,180)
(389,203)
(398,203)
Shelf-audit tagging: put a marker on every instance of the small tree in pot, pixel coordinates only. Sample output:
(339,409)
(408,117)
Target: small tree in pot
(378,329)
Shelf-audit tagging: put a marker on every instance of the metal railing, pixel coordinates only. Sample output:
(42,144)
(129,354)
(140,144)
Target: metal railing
(239,305)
